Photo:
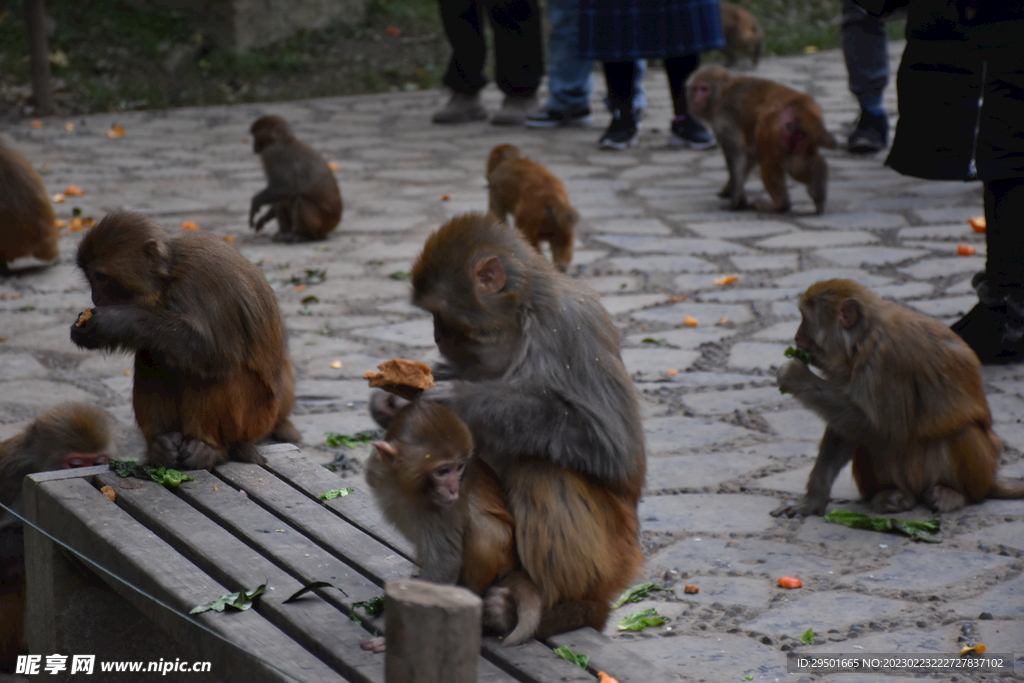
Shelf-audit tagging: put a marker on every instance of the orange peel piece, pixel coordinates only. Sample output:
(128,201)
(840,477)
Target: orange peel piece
(73,191)
(789,582)
(602,677)
(115,131)
(691,589)
(978,223)
(726,279)
(37,124)
(690,322)
(966,250)
(334,166)
(189,225)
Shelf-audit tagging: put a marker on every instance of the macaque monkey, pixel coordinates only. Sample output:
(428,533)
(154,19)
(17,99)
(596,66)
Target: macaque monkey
(537,200)
(212,375)
(67,436)
(743,34)
(27,224)
(450,506)
(301,189)
(532,366)
(903,398)
(759,121)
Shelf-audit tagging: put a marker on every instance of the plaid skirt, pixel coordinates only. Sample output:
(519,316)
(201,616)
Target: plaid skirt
(620,30)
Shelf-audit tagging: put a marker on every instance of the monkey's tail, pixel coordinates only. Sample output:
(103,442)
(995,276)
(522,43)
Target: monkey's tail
(285,432)
(528,608)
(1007,488)
(573,614)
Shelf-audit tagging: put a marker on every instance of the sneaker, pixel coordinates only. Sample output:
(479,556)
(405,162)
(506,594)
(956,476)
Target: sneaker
(994,328)
(514,110)
(688,132)
(870,134)
(460,109)
(552,118)
(623,131)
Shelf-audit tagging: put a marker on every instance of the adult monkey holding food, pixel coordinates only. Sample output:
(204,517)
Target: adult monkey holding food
(532,366)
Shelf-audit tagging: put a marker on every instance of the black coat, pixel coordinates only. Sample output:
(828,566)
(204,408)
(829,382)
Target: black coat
(621,30)
(961,89)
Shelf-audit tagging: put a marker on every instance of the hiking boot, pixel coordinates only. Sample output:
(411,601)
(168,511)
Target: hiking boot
(688,132)
(514,110)
(553,118)
(460,109)
(994,328)
(623,131)
(870,134)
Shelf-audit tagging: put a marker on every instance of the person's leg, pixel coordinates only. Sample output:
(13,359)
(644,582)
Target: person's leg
(463,26)
(625,126)
(639,94)
(995,327)
(686,131)
(518,57)
(866,51)
(570,78)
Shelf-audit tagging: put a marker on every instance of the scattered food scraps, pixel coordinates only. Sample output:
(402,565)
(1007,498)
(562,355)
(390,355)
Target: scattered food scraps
(60,223)
(673,371)
(978,223)
(228,238)
(691,589)
(677,299)
(974,649)
(722,321)
(334,166)
(641,620)
(807,637)
(108,492)
(393,31)
(446,197)
(690,322)
(36,124)
(300,288)
(966,250)
(726,279)
(58,198)
(602,677)
(565,653)
(69,126)
(638,593)
(242,600)
(115,131)
(789,582)
(336,364)
(925,530)
(811,49)
(73,191)
(336,493)
(77,224)
(797,354)
(189,225)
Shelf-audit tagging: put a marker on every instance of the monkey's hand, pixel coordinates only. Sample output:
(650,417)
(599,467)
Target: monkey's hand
(85,331)
(795,377)
(805,507)
(442,392)
(384,406)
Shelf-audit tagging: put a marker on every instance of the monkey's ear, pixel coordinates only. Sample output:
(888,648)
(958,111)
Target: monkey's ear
(849,313)
(386,449)
(156,251)
(489,275)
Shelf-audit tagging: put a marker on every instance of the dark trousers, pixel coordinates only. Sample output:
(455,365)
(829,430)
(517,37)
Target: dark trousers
(618,77)
(1004,235)
(518,56)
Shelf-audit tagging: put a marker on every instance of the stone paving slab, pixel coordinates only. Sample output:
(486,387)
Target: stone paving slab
(725,447)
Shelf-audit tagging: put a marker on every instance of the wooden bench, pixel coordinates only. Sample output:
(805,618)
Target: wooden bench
(231,530)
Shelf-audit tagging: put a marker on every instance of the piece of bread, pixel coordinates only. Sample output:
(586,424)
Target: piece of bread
(402,377)
(83,317)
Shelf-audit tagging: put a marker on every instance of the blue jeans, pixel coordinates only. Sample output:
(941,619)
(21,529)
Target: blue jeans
(865,48)
(570,78)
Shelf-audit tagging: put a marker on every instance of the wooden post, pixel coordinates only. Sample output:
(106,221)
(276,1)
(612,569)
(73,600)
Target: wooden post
(39,56)
(432,632)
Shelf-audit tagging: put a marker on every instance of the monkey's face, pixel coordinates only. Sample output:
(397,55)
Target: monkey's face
(443,482)
(107,289)
(478,354)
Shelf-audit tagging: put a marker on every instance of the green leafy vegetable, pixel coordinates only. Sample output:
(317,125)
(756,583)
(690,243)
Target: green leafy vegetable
(242,600)
(310,300)
(798,354)
(162,475)
(311,277)
(747,678)
(652,340)
(335,493)
(807,637)
(579,660)
(336,440)
(638,593)
(919,531)
(399,275)
(373,606)
(641,620)
(311,587)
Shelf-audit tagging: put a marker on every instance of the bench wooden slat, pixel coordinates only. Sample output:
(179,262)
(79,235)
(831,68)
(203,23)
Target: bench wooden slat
(533,661)
(354,546)
(80,516)
(614,659)
(313,623)
(358,507)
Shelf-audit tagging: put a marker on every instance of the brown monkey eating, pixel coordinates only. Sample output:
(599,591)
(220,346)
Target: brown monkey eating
(301,189)
(27,224)
(67,436)
(212,374)
(450,506)
(762,122)
(532,366)
(537,200)
(743,35)
(903,398)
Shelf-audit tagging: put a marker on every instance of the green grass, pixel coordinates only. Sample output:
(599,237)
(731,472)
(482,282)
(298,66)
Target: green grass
(110,55)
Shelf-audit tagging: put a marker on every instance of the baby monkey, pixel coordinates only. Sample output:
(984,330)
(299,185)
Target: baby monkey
(536,199)
(451,508)
(761,122)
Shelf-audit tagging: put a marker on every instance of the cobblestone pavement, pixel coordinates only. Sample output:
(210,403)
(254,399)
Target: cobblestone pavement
(725,446)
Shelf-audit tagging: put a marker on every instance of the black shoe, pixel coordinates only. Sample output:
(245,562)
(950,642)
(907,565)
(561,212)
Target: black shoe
(871,134)
(994,328)
(623,131)
(552,118)
(688,132)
